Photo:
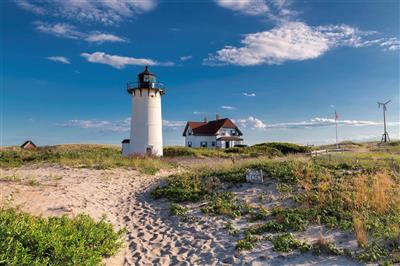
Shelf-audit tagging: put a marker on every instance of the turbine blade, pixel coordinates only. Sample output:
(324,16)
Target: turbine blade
(388,102)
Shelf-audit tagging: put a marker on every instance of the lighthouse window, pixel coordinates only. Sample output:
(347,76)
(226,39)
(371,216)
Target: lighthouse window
(148,78)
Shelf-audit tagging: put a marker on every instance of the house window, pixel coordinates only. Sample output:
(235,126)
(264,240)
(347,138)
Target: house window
(213,143)
(203,144)
(189,144)
(233,132)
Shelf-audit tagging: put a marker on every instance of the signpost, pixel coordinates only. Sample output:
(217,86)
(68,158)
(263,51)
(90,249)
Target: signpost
(254,176)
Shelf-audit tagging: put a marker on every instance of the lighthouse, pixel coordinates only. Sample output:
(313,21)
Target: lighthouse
(146,119)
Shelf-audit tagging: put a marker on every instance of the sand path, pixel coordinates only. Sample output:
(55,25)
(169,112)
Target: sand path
(153,236)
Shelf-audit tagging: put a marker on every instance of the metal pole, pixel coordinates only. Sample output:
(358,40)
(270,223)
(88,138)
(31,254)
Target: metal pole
(337,143)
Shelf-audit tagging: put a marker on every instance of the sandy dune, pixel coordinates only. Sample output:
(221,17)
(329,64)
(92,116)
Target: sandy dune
(153,236)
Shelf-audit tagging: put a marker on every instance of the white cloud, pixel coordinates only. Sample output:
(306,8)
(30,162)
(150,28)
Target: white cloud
(107,12)
(276,10)
(103,37)
(322,122)
(255,123)
(60,59)
(198,113)
(122,125)
(173,123)
(101,125)
(119,62)
(247,94)
(227,107)
(185,58)
(60,30)
(249,7)
(390,44)
(251,122)
(24,4)
(68,31)
(291,41)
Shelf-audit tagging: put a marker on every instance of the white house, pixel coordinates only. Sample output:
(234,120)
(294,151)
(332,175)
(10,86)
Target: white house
(219,133)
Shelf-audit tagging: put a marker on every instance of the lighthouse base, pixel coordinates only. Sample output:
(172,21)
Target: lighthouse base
(128,149)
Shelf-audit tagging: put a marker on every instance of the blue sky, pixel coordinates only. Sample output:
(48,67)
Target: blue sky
(276,67)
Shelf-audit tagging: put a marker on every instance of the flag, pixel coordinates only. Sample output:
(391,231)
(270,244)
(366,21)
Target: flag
(336,115)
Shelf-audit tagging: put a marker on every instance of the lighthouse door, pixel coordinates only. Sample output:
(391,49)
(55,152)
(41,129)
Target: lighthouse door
(149,150)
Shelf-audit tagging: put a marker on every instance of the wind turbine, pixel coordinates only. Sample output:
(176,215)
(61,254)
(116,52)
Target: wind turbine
(385,136)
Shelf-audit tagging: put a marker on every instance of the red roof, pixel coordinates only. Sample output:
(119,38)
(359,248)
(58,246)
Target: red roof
(210,128)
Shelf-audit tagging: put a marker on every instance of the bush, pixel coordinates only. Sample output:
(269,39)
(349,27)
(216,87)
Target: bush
(30,240)
(226,204)
(177,210)
(286,243)
(283,147)
(249,242)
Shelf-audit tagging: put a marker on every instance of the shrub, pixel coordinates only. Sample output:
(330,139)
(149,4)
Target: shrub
(291,219)
(372,253)
(283,147)
(268,227)
(29,240)
(286,243)
(181,188)
(247,243)
(226,204)
(177,210)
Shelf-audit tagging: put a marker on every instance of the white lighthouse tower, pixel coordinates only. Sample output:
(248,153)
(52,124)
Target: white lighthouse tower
(146,120)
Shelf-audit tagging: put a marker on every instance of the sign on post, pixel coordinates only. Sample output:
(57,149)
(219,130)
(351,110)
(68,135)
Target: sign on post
(254,176)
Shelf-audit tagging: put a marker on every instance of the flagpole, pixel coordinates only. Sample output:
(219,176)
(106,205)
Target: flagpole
(337,143)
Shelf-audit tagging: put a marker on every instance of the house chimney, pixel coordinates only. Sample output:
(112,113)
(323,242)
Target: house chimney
(217,117)
(205,119)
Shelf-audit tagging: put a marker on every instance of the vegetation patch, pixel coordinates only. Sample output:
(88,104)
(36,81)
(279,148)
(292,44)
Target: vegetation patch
(247,243)
(286,243)
(30,240)
(272,149)
(352,192)
(88,156)
(226,204)
(178,210)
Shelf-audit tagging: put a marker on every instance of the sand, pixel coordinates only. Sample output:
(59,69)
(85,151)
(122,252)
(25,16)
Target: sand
(153,237)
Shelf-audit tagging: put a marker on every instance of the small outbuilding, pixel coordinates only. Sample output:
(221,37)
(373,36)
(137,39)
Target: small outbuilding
(126,147)
(28,145)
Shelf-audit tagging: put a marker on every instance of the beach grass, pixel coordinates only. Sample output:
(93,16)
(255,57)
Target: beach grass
(79,155)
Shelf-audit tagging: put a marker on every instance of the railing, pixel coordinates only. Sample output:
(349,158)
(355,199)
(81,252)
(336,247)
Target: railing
(145,85)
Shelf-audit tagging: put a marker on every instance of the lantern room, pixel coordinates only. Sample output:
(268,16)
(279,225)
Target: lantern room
(146,80)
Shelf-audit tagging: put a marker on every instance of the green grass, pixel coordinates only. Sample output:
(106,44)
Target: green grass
(87,156)
(271,149)
(30,240)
